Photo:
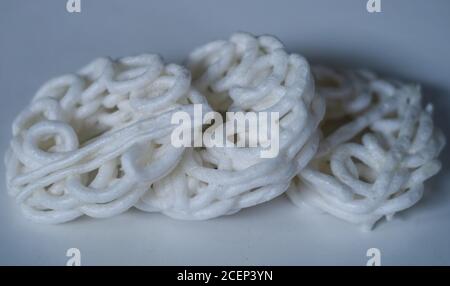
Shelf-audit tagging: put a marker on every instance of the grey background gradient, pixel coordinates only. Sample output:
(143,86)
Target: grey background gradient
(409,40)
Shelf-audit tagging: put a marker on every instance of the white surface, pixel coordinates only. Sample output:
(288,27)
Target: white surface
(39,39)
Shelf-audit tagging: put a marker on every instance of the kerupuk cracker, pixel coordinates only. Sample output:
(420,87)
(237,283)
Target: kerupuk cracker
(379,147)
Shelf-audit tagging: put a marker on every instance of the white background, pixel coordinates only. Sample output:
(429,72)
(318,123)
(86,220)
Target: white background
(409,39)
